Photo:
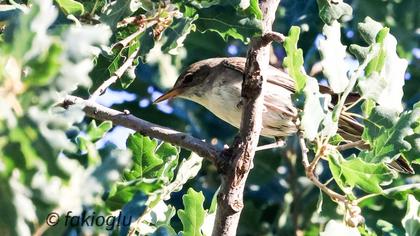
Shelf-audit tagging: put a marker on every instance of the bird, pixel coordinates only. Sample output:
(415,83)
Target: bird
(216,84)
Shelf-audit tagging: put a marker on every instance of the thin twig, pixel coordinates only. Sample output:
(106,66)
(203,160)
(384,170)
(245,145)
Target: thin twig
(124,119)
(311,176)
(353,104)
(117,74)
(387,191)
(350,145)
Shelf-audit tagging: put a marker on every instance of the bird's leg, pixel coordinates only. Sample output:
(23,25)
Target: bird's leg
(279,143)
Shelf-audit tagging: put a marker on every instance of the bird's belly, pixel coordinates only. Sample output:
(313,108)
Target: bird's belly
(278,112)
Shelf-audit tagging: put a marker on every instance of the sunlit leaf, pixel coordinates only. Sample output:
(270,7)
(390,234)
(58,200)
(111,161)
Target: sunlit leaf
(117,10)
(352,172)
(71,7)
(144,157)
(333,227)
(333,55)
(403,191)
(192,216)
(411,220)
(389,134)
(385,72)
(293,62)
(330,11)
(389,228)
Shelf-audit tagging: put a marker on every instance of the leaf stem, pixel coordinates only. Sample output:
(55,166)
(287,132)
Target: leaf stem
(311,176)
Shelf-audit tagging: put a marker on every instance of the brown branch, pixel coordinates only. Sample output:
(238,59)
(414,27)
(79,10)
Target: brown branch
(184,140)
(240,156)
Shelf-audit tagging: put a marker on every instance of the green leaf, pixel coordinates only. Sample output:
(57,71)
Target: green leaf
(192,216)
(377,63)
(144,156)
(97,132)
(117,10)
(369,30)
(71,7)
(128,77)
(254,9)
(334,226)
(147,42)
(133,210)
(176,33)
(385,72)
(389,134)
(411,220)
(359,52)
(85,145)
(388,228)
(316,117)
(403,191)
(333,55)
(367,107)
(293,62)
(44,67)
(355,172)
(226,21)
(330,11)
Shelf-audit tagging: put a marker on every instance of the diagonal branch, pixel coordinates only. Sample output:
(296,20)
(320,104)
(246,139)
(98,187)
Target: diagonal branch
(240,156)
(184,140)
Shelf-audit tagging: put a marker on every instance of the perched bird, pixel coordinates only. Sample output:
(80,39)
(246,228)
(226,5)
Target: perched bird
(216,84)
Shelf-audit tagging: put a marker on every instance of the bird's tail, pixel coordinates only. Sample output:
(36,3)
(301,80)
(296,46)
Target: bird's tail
(351,129)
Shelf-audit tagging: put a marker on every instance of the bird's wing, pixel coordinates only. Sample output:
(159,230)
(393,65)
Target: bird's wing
(349,128)
(278,77)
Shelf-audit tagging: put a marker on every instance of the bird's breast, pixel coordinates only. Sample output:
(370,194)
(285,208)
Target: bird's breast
(225,102)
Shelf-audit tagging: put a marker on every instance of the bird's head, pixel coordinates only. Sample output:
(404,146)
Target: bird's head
(194,81)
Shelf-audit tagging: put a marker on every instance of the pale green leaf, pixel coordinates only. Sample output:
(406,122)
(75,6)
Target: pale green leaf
(293,62)
(355,172)
(388,228)
(330,11)
(385,72)
(403,191)
(316,116)
(333,227)
(411,220)
(71,7)
(192,216)
(333,55)
(95,132)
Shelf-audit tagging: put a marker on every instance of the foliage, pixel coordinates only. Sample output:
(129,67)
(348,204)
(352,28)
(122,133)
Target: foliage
(54,159)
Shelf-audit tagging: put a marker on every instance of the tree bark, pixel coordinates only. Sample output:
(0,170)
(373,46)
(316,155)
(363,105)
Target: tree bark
(240,156)
(99,112)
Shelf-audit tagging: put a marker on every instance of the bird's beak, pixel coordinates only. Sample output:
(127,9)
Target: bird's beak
(168,95)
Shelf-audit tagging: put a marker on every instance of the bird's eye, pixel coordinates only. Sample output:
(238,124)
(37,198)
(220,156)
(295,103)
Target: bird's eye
(188,79)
